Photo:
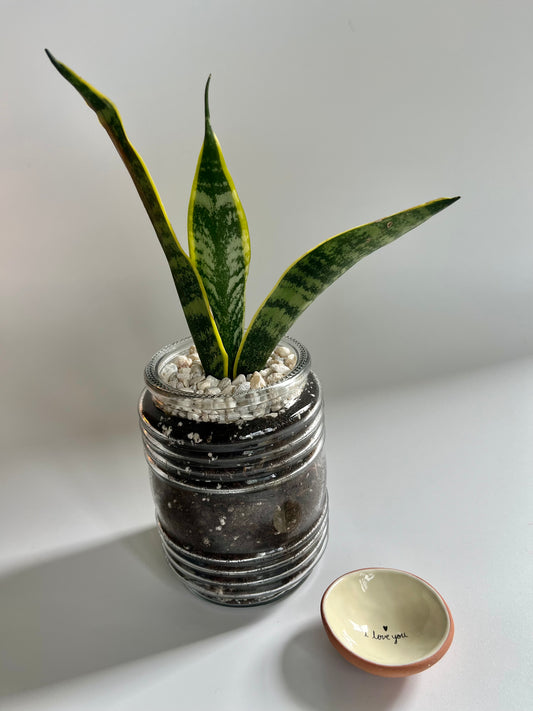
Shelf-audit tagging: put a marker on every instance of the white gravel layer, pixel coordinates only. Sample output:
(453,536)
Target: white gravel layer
(205,398)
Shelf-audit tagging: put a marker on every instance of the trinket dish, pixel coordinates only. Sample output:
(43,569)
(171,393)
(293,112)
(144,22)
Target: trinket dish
(387,622)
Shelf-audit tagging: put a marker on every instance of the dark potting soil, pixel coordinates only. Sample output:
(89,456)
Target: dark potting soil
(240,489)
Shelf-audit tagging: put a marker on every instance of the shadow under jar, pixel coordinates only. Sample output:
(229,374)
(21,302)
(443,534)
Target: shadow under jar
(239,483)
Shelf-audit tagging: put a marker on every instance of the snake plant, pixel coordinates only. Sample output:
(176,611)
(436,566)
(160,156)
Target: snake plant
(211,279)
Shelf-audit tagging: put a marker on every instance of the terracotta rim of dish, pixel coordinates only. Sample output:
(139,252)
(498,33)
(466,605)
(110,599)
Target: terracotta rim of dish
(388,670)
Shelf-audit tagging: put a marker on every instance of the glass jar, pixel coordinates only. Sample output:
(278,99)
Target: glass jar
(239,483)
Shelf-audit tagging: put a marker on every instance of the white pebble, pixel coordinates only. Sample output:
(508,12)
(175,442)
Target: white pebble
(282,351)
(274,378)
(290,360)
(169,370)
(182,361)
(257,381)
(241,390)
(280,368)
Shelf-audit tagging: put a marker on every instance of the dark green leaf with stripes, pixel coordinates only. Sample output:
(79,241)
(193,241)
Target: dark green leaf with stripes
(188,284)
(310,275)
(219,243)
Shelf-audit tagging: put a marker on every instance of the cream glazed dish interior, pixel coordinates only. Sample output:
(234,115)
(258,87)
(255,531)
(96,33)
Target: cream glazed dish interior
(387,622)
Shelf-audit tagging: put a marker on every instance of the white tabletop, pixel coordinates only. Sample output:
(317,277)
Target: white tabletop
(434,478)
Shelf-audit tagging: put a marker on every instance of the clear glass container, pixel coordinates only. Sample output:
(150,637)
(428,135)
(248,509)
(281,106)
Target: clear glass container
(239,483)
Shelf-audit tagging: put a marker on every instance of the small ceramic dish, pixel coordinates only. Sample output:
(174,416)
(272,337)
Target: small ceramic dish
(386,622)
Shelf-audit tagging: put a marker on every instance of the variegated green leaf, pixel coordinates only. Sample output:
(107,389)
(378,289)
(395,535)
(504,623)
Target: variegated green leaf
(310,275)
(219,244)
(188,284)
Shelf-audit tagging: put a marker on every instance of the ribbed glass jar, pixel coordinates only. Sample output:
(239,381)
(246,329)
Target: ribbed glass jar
(239,484)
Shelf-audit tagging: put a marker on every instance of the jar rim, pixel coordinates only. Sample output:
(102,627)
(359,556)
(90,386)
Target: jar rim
(167,395)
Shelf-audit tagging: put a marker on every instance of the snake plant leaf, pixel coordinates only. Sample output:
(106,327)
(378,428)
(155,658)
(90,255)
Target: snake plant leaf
(219,243)
(186,278)
(310,275)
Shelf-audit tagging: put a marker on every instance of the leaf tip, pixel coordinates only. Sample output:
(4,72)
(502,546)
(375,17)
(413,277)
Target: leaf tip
(56,63)
(206,99)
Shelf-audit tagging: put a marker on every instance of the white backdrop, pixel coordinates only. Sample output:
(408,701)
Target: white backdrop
(330,114)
